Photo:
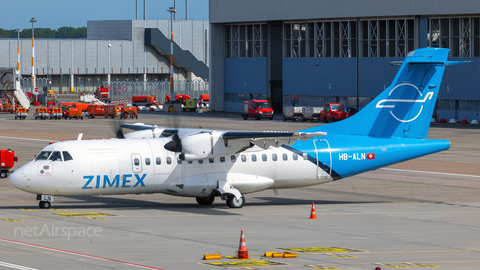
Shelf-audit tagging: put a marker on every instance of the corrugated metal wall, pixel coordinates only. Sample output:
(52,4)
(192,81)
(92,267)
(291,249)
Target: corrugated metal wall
(461,82)
(246,75)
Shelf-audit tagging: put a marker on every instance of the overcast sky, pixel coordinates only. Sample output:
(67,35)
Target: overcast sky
(58,13)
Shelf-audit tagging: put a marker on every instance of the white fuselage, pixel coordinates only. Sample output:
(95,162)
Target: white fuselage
(136,166)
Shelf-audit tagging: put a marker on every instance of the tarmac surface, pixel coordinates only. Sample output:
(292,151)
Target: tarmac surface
(418,214)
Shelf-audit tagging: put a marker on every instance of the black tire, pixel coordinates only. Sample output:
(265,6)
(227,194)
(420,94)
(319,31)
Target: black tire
(284,119)
(3,174)
(205,200)
(271,118)
(325,120)
(44,205)
(70,117)
(245,117)
(232,202)
(15,118)
(257,117)
(334,119)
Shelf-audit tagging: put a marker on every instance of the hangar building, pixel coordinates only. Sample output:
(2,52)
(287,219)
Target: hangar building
(308,52)
(133,51)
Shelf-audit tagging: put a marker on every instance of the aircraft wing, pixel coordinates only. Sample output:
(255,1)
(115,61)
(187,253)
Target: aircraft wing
(269,138)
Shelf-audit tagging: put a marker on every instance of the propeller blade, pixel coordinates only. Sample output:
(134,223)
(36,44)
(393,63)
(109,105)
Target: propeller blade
(175,145)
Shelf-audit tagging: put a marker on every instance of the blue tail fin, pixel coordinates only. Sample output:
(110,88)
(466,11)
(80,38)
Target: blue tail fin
(405,108)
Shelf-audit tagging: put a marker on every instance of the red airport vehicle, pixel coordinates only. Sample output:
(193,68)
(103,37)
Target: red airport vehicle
(70,112)
(181,98)
(107,111)
(102,93)
(257,109)
(7,159)
(128,112)
(41,113)
(143,100)
(21,113)
(333,112)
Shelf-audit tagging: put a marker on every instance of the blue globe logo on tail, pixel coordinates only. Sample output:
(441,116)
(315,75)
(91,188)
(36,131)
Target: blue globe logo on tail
(406,102)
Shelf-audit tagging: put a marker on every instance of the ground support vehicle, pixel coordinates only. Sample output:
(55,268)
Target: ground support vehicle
(128,112)
(55,112)
(70,112)
(5,106)
(7,159)
(21,113)
(204,101)
(143,101)
(293,113)
(350,111)
(190,105)
(41,113)
(257,109)
(103,94)
(333,112)
(107,111)
(311,114)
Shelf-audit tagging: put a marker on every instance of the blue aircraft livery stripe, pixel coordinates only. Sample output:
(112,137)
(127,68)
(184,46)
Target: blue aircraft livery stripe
(321,164)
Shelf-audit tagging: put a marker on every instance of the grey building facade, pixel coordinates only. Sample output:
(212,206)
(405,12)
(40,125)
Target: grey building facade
(309,52)
(117,48)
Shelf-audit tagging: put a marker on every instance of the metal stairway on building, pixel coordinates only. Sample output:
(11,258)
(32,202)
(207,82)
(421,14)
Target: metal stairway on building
(13,91)
(183,58)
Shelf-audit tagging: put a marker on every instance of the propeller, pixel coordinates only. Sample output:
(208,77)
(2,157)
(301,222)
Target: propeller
(175,145)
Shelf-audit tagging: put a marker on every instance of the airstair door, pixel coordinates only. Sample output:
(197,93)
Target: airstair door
(324,159)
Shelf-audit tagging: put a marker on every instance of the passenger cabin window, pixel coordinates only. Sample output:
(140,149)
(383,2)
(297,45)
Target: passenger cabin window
(158,161)
(147,161)
(66,156)
(222,159)
(295,156)
(244,158)
(254,158)
(56,156)
(274,157)
(305,156)
(43,155)
(284,156)
(169,160)
(136,161)
(264,157)
(232,158)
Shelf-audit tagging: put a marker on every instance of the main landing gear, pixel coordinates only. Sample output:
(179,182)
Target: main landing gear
(230,199)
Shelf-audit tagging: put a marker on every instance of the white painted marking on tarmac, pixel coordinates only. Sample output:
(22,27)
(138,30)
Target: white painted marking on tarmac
(16,266)
(28,139)
(80,254)
(452,174)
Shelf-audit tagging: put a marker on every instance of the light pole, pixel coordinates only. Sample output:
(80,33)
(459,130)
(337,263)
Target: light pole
(33,53)
(173,98)
(109,70)
(18,48)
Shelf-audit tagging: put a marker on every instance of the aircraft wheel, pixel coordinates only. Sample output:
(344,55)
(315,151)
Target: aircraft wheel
(205,200)
(232,202)
(44,205)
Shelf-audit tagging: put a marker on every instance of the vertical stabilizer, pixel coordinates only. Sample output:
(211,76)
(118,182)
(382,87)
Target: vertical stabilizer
(405,108)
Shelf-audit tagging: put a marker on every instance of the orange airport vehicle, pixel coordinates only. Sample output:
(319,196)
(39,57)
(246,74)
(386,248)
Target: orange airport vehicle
(42,113)
(55,112)
(143,100)
(69,113)
(128,111)
(21,113)
(7,107)
(7,159)
(181,98)
(109,111)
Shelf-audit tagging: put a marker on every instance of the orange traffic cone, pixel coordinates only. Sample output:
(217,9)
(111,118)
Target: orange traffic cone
(242,249)
(312,213)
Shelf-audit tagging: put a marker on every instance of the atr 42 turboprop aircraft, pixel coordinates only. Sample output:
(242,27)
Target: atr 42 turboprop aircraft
(207,163)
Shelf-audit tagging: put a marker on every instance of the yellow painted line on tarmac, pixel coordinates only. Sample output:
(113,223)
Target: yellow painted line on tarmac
(94,214)
(12,220)
(247,263)
(321,249)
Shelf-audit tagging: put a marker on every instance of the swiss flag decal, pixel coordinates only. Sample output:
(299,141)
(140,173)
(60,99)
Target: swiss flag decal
(371,156)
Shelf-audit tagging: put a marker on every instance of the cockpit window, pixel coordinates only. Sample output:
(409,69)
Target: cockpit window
(56,156)
(66,156)
(43,155)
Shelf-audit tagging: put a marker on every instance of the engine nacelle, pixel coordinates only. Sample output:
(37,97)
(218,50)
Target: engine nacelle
(208,145)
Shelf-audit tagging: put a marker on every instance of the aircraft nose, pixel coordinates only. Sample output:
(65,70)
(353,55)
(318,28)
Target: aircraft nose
(17,179)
